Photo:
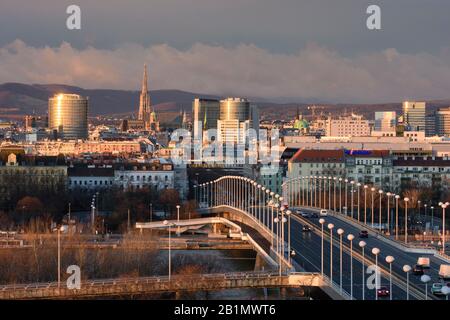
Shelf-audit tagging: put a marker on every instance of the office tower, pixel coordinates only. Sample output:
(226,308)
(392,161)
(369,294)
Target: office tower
(149,118)
(68,116)
(385,121)
(414,115)
(442,122)
(205,113)
(237,115)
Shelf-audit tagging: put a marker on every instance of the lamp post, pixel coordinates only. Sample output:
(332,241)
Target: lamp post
(362,244)
(334,193)
(418,204)
(321,221)
(365,203)
(288,213)
(406,219)
(340,195)
(407,269)
(59,229)
(178,219)
(350,238)
(396,216)
(388,194)
(346,194)
(432,219)
(340,232)
(330,227)
(359,187)
(425,279)
(390,260)
(379,219)
(165,222)
(376,252)
(443,206)
(352,183)
(373,192)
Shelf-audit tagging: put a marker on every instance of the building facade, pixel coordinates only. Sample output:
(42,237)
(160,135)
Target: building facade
(414,115)
(67,116)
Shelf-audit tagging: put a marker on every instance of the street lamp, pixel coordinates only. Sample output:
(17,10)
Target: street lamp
(379,220)
(362,244)
(425,279)
(388,194)
(396,216)
(346,194)
(359,187)
(365,203)
(178,219)
(390,260)
(443,206)
(340,195)
(432,219)
(166,223)
(59,229)
(376,252)
(373,192)
(407,269)
(288,213)
(350,238)
(321,221)
(330,227)
(406,219)
(340,232)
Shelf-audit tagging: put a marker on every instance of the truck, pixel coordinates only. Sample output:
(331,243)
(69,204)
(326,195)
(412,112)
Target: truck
(423,262)
(444,271)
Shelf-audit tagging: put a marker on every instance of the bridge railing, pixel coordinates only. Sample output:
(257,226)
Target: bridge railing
(376,209)
(257,202)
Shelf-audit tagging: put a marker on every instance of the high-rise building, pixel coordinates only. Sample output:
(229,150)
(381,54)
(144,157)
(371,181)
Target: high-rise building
(442,122)
(205,113)
(385,121)
(237,115)
(414,115)
(67,116)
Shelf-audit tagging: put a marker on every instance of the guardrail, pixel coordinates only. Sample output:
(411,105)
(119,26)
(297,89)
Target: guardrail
(396,278)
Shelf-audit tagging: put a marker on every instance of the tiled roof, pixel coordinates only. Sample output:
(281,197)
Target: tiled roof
(304,155)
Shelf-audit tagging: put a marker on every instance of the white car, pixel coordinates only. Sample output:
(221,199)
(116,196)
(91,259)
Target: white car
(323,213)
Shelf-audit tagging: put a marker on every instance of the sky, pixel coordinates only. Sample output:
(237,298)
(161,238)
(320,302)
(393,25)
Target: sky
(291,50)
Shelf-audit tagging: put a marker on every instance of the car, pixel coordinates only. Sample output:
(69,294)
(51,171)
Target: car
(383,292)
(323,212)
(363,234)
(306,214)
(436,289)
(306,228)
(418,270)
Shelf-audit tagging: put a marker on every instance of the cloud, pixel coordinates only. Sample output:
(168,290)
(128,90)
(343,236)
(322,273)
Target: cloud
(315,72)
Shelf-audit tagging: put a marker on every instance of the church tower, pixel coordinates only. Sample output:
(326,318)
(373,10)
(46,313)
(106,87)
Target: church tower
(144,101)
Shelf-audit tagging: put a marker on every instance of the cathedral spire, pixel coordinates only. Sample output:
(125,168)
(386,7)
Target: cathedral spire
(144,80)
(144,101)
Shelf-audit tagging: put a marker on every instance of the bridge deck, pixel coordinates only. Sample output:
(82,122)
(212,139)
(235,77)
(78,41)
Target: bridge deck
(147,285)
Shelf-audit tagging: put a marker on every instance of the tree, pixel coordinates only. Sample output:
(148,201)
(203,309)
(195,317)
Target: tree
(29,207)
(169,198)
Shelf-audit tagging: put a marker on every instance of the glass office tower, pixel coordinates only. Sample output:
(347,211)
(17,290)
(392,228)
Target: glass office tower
(67,116)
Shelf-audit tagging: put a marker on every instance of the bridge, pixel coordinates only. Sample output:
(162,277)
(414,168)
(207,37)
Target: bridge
(314,250)
(151,285)
(291,233)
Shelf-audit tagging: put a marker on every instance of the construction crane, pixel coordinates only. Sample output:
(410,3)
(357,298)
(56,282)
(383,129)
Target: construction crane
(313,109)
